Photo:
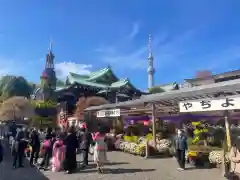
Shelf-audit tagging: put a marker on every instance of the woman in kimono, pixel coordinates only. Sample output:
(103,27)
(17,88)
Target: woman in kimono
(71,145)
(58,154)
(99,149)
(234,157)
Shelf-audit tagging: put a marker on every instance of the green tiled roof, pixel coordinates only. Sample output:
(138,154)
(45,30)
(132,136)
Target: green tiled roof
(103,91)
(74,79)
(119,83)
(97,74)
(91,76)
(89,80)
(60,88)
(78,76)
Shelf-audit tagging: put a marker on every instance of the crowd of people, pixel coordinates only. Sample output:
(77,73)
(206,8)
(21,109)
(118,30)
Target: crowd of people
(58,148)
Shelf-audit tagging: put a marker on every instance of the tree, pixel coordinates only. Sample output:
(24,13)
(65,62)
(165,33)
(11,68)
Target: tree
(16,108)
(5,80)
(45,108)
(17,86)
(156,89)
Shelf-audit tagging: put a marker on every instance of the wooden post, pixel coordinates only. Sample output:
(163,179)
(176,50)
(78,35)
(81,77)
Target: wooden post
(147,150)
(116,119)
(228,136)
(224,167)
(154,124)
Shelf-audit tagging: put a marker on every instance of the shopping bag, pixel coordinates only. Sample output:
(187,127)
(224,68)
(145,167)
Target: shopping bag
(91,150)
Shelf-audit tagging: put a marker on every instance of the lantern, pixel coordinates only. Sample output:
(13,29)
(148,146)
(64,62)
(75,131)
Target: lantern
(145,122)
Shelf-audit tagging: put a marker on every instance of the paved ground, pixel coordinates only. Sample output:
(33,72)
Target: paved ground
(8,173)
(120,167)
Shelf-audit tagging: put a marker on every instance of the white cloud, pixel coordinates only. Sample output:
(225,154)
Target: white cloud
(63,68)
(135,31)
(9,66)
(4,72)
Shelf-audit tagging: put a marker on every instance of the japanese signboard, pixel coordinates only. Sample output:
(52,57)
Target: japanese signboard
(228,103)
(109,113)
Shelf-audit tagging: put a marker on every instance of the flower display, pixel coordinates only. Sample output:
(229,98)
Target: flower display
(215,157)
(139,147)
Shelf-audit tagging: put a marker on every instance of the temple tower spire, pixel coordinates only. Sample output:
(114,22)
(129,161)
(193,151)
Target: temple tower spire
(50,47)
(50,58)
(49,72)
(151,69)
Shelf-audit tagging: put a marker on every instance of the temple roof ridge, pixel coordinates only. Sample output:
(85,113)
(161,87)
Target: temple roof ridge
(99,73)
(94,79)
(79,75)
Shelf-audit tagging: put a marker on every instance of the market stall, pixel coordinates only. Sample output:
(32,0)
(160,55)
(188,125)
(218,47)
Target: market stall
(109,118)
(227,105)
(167,103)
(135,133)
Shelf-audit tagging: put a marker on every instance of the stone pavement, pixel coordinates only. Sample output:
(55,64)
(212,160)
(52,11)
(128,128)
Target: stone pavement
(121,166)
(8,173)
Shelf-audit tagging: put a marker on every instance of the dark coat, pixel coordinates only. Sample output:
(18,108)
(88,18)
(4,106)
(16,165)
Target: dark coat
(85,140)
(181,143)
(1,152)
(71,144)
(19,135)
(34,139)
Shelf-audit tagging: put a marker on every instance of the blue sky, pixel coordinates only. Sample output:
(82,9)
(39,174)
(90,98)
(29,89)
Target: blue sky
(188,36)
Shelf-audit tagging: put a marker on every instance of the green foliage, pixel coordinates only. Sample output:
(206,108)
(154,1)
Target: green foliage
(44,104)
(17,86)
(156,89)
(14,86)
(5,80)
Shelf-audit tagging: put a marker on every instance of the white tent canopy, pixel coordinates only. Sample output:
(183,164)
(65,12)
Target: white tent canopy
(172,98)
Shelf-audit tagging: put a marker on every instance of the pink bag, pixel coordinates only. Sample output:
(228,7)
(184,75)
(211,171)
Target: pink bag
(46,143)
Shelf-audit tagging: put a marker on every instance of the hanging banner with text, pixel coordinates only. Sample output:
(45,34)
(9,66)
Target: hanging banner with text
(109,113)
(228,103)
